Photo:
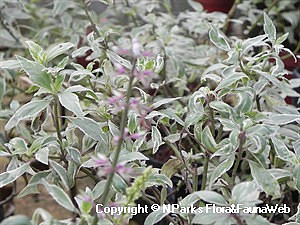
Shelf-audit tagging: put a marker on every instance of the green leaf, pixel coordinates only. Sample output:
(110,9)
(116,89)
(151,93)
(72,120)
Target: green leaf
(231,79)
(62,173)
(16,220)
(169,113)
(71,102)
(132,122)
(221,169)
(155,217)
(282,151)
(282,38)
(218,39)
(10,176)
(296,176)
(158,179)
(296,147)
(36,52)
(228,124)
(89,127)
(245,193)
(208,140)
(57,50)
(208,196)
(256,219)
(281,119)
(269,28)
(131,156)
(42,155)
(265,179)
(171,167)
(36,73)
(107,2)
(26,111)
(10,64)
(163,102)
(60,196)
(98,189)
(2,87)
(156,139)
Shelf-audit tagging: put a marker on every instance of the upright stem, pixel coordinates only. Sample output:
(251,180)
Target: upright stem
(230,15)
(242,138)
(121,138)
(204,176)
(57,125)
(261,16)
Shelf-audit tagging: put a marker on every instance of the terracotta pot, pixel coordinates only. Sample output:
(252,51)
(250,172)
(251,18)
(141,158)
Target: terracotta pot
(216,5)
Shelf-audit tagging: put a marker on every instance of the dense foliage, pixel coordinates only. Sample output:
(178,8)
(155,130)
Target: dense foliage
(151,107)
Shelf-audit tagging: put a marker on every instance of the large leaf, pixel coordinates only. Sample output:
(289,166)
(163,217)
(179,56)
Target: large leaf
(71,102)
(26,111)
(60,196)
(89,127)
(265,179)
(36,73)
(10,176)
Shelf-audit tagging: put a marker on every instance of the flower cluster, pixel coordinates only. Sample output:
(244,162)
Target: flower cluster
(105,167)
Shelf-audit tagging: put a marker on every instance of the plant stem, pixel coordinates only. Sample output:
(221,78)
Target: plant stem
(121,138)
(230,15)
(204,176)
(261,16)
(242,139)
(57,125)
(295,52)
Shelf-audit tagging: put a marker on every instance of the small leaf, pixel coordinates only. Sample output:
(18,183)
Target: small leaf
(282,151)
(2,87)
(269,28)
(208,196)
(89,127)
(155,217)
(62,173)
(171,167)
(26,111)
(156,139)
(60,196)
(281,119)
(57,50)
(208,140)
(36,73)
(71,102)
(42,155)
(221,169)
(163,102)
(10,64)
(265,179)
(218,39)
(36,51)
(282,38)
(10,176)
(245,193)
(296,176)
(231,79)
